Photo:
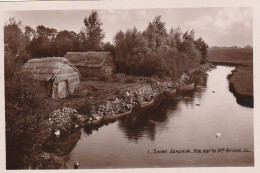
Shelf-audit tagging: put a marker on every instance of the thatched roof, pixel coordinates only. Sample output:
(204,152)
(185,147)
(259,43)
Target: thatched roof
(43,69)
(87,59)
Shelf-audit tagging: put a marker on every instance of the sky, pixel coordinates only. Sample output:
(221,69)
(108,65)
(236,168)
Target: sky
(217,26)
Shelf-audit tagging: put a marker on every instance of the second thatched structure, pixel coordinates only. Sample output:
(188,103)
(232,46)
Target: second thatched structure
(59,75)
(92,64)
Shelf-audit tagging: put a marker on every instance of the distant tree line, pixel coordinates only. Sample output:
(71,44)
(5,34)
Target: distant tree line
(230,48)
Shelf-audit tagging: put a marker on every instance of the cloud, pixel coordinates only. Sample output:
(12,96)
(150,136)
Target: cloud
(224,26)
(227,17)
(217,26)
(201,23)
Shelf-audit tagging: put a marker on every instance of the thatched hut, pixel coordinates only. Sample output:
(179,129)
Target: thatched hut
(59,75)
(92,64)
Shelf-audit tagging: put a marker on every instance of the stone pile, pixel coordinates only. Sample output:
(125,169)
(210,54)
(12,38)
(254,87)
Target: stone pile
(64,119)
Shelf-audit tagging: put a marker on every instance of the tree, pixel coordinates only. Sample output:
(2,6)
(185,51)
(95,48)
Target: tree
(156,34)
(15,44)
(203,48)
(171,41)
(119,42)
(136,45)
(130,49)
(120,51)
(188,47)
(175,37)
(187,42)
(76,42)
(92,34)
(29,33)
(13,37)
(42,45)
(64,42)
(109,47)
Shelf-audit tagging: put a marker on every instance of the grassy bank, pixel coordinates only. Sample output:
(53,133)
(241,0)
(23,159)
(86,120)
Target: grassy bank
(231,56)
(241,80)
(96,91)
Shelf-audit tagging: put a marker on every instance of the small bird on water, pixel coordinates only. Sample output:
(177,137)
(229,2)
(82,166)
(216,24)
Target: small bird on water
(218,135)
(76,164)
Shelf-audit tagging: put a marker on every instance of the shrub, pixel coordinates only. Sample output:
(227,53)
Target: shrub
(117,91)
(130,79)
(104,78)
(77,92)
(115,78)
(151,80)
(86,108)
(27,106)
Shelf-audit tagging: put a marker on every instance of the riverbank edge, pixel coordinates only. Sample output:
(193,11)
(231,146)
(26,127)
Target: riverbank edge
(227,63)
(241,98)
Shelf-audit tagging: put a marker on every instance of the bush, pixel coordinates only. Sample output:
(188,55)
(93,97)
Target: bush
(77,92)
(26,96)
(104,78)
(130,79)
(27,106)
(86,108)
(151,80)
(115,78)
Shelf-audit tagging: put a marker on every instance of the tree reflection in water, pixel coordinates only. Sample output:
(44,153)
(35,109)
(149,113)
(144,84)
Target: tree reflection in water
(141,124)
(61,148)
(63,145)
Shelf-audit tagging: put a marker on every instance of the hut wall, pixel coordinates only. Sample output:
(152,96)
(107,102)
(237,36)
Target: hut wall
(67,75)
(94,71)
(55,89)
(83,71)
(109,66)
(63,89)
(90,71)
(49,87)
(91,64)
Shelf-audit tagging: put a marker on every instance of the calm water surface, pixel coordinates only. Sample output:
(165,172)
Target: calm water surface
(191,122)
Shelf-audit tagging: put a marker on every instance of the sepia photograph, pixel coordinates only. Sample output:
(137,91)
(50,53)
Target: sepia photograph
(128,88)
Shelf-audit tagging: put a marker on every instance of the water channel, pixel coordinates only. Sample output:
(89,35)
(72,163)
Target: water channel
(207,119)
